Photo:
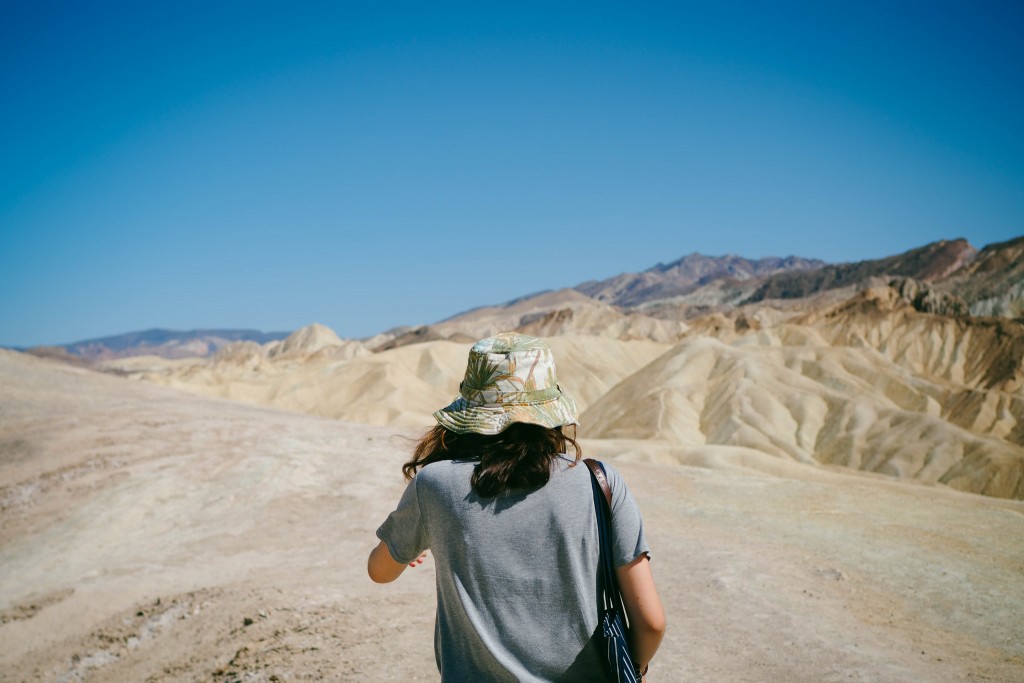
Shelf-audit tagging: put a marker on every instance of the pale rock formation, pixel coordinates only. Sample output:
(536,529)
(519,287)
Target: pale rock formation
(786,393)
(870,383)
(305,342)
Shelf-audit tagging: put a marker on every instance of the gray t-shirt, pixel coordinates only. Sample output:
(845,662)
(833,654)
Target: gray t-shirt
(517,573)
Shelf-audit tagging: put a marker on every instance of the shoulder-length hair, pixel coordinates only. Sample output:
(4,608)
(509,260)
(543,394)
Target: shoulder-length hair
(520,457)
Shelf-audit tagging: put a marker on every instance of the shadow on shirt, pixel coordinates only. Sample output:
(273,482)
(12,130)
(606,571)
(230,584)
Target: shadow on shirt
(590,662)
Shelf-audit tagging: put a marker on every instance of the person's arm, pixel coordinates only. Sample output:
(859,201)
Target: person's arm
(643,607)
(383,568)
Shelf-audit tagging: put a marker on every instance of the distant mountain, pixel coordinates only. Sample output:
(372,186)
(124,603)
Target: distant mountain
(688,274)
(947,278)
(928,263)
(155,342)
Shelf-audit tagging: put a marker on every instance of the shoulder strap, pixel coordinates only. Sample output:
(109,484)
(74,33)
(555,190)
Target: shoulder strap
(608,598)
(597,469)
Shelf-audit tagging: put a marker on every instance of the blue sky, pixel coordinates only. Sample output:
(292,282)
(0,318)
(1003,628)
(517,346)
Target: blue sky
(367,165)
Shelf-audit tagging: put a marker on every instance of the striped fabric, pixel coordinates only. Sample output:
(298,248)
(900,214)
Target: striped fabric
(620,663)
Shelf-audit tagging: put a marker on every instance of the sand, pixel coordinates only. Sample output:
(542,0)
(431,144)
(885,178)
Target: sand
(152,535)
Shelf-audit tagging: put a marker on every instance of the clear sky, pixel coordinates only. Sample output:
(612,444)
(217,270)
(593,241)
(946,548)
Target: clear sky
(366,165)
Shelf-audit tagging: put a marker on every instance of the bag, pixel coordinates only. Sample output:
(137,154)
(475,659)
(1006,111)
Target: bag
(612,620)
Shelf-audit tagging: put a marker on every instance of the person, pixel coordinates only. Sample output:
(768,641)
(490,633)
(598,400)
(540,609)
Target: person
(509,519)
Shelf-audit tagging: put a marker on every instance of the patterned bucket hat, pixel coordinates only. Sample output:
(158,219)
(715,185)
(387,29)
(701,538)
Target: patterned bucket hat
(510,378)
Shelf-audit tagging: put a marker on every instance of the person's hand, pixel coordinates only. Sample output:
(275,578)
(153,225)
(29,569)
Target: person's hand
(419,560)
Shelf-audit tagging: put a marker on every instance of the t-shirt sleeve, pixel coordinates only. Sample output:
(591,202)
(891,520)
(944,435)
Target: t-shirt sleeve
(403,531)
(628,539)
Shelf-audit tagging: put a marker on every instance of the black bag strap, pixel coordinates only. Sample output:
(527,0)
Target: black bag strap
(608,588)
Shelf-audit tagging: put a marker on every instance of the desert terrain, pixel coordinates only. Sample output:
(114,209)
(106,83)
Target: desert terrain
(152,535)
(829,458)
(867,383)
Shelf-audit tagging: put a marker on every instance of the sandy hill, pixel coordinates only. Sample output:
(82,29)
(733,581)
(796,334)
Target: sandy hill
(870,384)
(304,342)
(786,396)
(389,387)
(980,353)
(148,535)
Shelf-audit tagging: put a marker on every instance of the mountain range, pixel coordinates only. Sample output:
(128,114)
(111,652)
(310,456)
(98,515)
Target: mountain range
(949,277)
(154,342)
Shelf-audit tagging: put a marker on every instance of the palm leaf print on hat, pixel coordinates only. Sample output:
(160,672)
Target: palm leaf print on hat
(481,375)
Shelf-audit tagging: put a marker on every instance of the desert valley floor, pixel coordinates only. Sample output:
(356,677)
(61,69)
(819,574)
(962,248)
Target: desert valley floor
(152,535)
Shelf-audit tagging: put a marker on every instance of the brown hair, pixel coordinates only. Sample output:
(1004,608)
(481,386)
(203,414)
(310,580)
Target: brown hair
(519,457)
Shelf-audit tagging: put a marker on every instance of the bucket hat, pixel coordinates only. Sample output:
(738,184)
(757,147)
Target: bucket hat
(510,377)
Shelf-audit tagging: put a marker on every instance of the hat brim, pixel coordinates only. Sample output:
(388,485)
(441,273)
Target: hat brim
(461,417)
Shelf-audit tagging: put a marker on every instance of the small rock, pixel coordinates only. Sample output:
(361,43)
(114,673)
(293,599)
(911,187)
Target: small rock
(834,574)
